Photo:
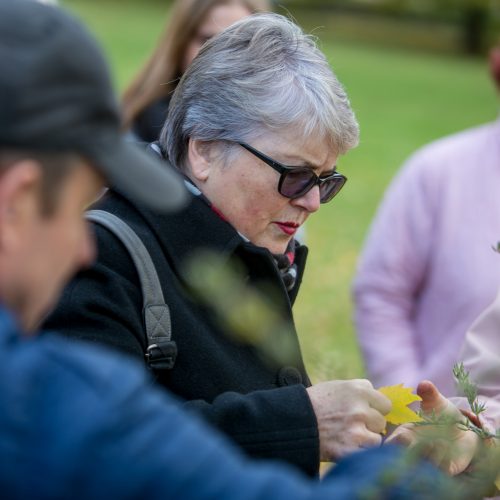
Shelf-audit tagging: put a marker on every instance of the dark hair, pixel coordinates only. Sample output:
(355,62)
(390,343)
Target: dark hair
(55,167)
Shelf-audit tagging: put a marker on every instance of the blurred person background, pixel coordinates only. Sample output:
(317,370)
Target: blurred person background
(192,22)
(428,268)
(410,80)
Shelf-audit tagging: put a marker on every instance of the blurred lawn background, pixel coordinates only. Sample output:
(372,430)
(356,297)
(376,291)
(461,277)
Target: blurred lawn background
(403,98)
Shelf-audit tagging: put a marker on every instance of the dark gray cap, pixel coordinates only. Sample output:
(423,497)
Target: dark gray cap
(56,95)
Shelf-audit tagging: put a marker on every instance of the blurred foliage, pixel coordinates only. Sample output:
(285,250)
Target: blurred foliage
(477,20)
(242,311)
(448,9)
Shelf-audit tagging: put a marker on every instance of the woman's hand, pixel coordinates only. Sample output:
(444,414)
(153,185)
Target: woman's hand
(349,414)
(449,447)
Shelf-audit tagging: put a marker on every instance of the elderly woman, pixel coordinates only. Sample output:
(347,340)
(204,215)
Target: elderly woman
(256,126)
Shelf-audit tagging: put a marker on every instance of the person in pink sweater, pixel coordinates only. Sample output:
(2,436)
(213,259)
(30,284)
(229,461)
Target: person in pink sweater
(428,269)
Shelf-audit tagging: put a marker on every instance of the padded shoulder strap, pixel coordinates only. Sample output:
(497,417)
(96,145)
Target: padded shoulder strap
(162,350)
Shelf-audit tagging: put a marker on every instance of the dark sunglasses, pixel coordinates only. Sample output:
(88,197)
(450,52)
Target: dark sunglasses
(295,182)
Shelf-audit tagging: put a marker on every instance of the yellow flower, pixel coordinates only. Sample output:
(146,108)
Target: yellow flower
(400,398)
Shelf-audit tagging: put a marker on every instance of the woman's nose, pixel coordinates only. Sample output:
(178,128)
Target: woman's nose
(309,201)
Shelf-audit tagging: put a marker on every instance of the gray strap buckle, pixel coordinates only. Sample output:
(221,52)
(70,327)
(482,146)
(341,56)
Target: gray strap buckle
(161,352)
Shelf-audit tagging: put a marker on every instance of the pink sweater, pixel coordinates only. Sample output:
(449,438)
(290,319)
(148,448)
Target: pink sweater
(428,269)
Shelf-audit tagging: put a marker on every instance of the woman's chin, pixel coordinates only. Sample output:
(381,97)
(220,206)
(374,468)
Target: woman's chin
(277,247)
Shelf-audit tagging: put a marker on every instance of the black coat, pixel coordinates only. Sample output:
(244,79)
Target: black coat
(264,408)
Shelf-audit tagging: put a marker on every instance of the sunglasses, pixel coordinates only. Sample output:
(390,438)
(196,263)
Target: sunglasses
(295,182)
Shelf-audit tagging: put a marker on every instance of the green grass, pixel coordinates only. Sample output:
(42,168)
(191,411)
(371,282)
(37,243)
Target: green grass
(128,30)
(402,99)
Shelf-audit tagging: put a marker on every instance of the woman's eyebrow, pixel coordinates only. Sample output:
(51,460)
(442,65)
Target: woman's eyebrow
(297,161)
(330,171)
(300,162)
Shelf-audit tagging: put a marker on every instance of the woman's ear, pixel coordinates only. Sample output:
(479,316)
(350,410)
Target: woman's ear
(200,159)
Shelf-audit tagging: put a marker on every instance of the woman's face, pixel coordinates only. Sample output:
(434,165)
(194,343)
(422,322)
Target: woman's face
(246,189)
(217,19)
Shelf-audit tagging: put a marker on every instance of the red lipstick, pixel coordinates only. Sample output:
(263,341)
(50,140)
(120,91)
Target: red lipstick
(289,228)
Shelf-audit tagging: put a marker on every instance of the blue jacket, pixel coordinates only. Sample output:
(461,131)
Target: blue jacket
(80,422)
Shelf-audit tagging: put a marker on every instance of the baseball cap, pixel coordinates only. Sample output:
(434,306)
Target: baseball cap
(56,95)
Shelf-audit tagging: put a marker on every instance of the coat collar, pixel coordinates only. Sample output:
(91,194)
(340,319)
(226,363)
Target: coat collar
(193,228)
(188,230)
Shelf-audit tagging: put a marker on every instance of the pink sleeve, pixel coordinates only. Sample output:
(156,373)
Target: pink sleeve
(390,271)
(480,355)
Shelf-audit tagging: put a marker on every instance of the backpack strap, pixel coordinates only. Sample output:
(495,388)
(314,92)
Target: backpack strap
(161,351)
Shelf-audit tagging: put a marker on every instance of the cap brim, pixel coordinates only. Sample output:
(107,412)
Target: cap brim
(142,177)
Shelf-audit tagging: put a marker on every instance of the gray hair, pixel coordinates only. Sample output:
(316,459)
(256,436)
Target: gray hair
(260,75)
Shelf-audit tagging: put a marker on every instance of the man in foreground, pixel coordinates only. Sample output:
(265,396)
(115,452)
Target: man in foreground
(78,422)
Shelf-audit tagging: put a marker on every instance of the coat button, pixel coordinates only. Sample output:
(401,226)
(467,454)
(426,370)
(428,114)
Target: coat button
(288,375)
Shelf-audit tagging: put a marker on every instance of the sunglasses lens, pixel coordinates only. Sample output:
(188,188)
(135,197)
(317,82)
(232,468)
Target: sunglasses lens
(331,188)
(296,182)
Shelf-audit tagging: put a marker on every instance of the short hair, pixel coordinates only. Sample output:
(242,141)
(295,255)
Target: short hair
(260,75)
(56,167)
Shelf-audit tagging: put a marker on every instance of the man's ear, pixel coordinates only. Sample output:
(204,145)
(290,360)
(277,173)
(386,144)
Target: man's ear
(199,156)
(19,199)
